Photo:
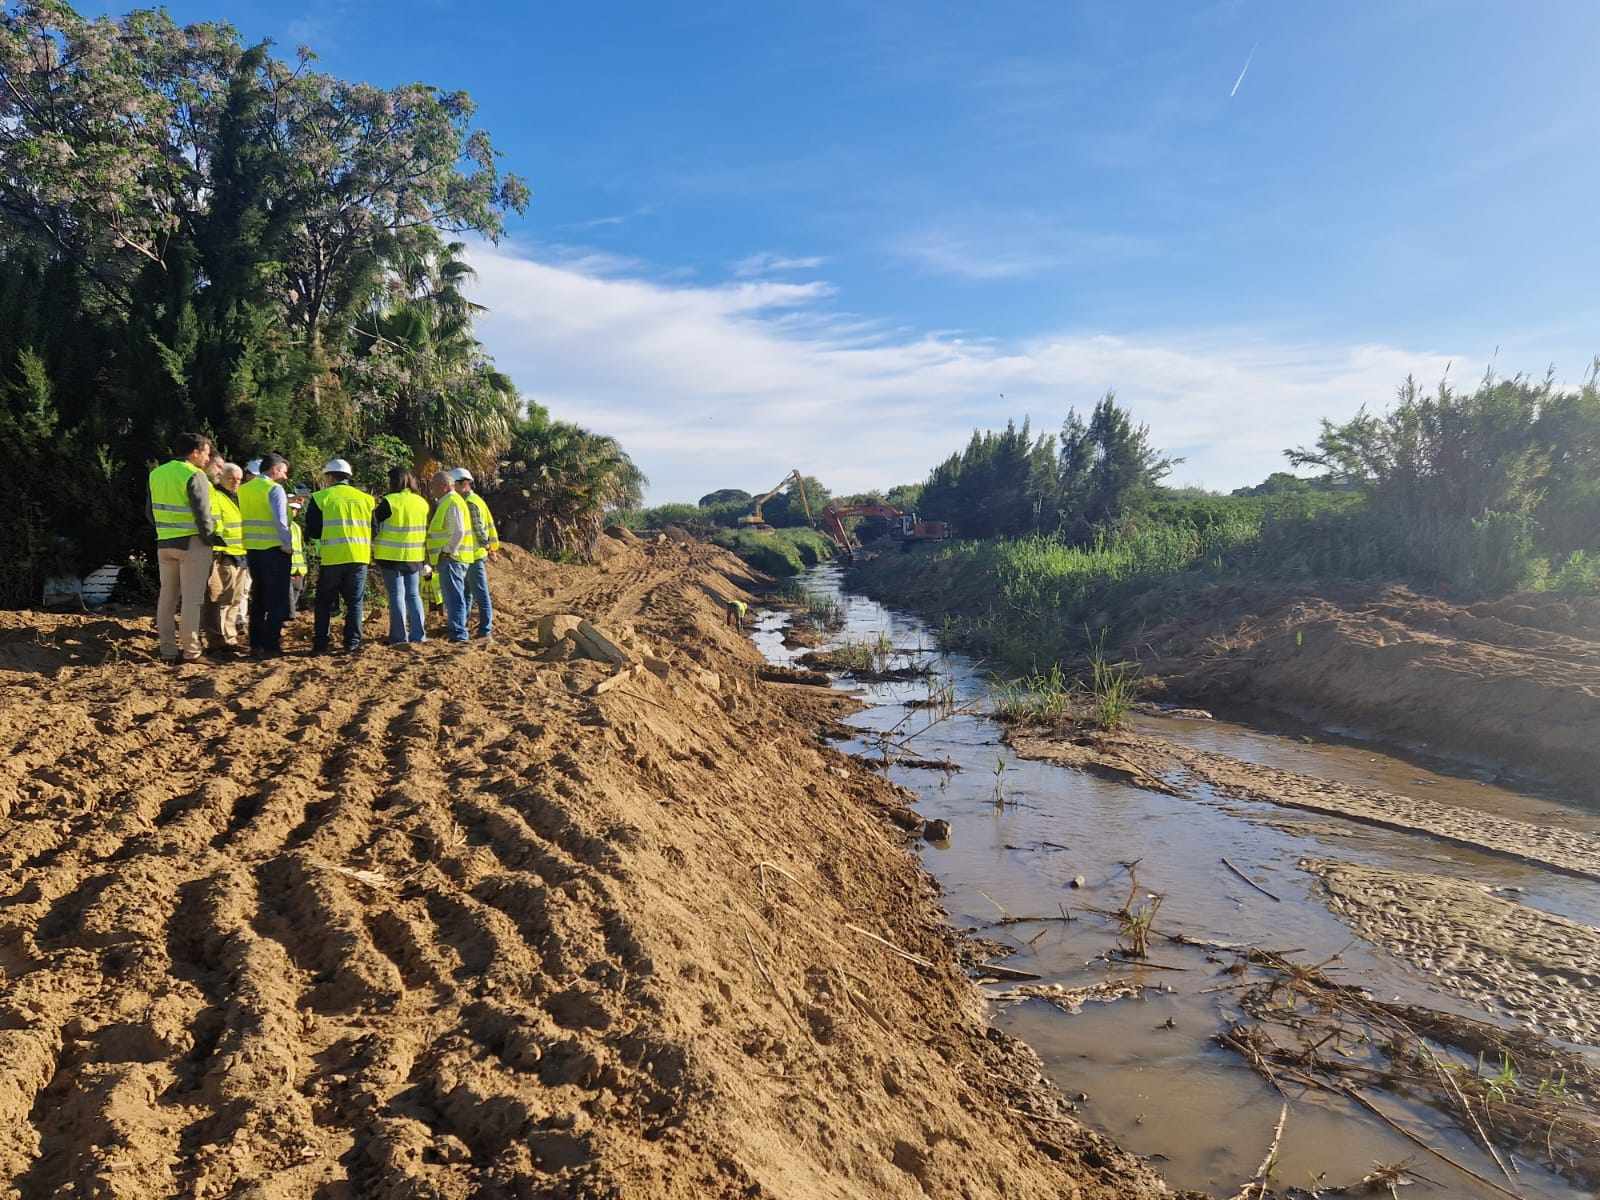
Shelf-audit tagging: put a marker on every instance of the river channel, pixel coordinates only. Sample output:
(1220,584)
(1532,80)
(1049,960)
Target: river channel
(1155,1079)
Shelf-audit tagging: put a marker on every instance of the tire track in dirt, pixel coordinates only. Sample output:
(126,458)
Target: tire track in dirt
(436,922)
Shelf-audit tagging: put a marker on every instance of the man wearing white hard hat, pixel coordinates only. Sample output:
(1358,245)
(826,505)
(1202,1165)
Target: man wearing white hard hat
(486,541)
(340,517)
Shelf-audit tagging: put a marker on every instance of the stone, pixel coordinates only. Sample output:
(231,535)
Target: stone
(937,830)
(598,645)
(555,626)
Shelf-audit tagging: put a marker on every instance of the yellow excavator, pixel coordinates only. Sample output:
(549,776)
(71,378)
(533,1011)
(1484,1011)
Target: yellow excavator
(754,520)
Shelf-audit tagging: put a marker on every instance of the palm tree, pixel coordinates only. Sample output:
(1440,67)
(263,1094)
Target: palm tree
(427,380)
(559,481)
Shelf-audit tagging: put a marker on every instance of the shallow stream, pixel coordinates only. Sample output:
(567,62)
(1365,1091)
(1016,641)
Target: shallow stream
(1156,1081)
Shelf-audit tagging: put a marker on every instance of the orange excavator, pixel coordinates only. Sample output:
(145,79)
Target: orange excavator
(754,520)
(908,528)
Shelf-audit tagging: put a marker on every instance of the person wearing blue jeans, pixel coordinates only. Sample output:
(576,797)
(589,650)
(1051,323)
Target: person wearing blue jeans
(453,583)
(476,586)
(485,542)
(399,547)
(450,547)
(402,584)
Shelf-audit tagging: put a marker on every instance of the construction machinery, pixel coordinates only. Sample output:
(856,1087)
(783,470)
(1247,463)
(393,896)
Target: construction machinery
(907,527)
(754,520)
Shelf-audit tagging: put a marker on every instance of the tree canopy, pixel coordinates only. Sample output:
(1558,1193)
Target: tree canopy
(196,234)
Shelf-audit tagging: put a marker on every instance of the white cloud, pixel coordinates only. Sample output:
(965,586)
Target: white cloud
(732,385)
(1012,246)
(767,263)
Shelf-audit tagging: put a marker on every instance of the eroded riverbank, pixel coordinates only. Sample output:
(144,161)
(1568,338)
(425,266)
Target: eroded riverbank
(1023,833)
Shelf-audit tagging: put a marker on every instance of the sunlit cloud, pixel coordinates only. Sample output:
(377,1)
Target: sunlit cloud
(767,263)
(731,385)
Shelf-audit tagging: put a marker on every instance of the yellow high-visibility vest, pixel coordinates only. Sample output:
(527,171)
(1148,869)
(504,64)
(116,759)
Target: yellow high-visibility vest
(403,535)
(255,514)
(229,522)
(346,524)
(297,561)
(437,537)
(491,535)
(169,500)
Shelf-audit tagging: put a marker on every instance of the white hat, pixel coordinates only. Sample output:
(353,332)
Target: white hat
(253,466)
(461,475)
(336,466)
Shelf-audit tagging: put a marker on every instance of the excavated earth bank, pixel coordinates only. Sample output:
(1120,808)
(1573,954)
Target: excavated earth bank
(445,923)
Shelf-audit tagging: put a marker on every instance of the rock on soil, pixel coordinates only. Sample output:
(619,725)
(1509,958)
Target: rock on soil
(435,922)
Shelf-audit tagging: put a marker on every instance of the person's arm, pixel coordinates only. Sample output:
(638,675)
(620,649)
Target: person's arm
(199,493)
(380,513)
(455,531)
(279,499)
(313,519)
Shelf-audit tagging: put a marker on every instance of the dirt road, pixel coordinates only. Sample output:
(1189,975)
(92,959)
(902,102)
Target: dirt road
(443,922)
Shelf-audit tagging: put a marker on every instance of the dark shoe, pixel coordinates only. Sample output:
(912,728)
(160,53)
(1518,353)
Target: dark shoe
(320,648)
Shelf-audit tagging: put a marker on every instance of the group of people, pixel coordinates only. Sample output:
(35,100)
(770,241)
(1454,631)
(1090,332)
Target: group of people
(231,548)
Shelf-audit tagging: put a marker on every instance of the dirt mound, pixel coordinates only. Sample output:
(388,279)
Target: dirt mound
(1514,682)
(442,922)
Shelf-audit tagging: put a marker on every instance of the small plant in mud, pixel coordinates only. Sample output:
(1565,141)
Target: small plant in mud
(866,655)
(1047,696)
(1112,686)
(999,781)
(1136,918)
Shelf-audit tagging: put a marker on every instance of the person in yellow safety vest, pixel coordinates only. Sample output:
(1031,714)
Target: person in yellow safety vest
(451,549)
(737,611)
(399,547)
(488,542)
(340,518)
(228,573)
(179,506)
(297,558)
(268,551)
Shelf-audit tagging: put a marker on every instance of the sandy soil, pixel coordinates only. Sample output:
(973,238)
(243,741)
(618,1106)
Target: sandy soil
(445,923)
(1540,970)
(1516,681)
(1147,761)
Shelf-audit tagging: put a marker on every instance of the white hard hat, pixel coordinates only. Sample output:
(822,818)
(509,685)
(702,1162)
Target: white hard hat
(253,466)
(336,466)
(461,475)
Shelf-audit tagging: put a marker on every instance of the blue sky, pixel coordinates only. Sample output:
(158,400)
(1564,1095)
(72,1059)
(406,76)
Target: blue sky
(839,236)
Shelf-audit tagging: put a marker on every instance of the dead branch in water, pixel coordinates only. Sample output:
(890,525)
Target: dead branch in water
(1251,882)
(1543,1102)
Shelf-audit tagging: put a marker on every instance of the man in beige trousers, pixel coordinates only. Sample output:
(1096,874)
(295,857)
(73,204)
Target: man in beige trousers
(179,506)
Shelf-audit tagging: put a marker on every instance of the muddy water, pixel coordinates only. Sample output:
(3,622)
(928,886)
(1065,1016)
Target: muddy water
(1155,1079)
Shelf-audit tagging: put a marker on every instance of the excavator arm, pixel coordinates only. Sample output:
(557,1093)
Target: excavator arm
(754,517)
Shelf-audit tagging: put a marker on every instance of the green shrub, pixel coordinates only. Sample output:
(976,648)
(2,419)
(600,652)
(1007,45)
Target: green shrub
(780,553)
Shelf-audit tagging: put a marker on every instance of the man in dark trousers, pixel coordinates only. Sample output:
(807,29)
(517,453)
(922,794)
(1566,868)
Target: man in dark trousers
(340,518)
(269,550)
